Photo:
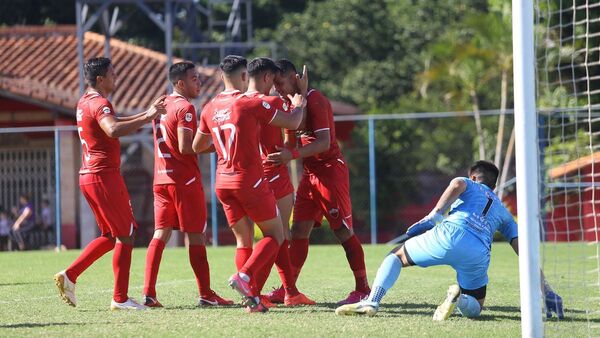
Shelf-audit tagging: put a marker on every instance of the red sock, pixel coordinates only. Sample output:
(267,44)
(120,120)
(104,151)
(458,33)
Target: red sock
(153,257)
(261,276)
(241,257)
(356,258)
(298,253)
(96,249)
(264,253)
(201,269)
(121,266)
(284,267)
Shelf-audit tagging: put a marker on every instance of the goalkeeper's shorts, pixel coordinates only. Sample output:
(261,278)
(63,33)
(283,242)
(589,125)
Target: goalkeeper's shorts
(448,244)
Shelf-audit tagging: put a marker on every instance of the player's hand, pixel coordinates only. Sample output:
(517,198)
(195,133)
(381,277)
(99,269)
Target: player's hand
(553,305)
(281,157)
(302,81)
(298,100)
(420,227)
(157,108)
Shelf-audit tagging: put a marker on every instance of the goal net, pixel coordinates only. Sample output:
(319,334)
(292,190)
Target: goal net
(567,34)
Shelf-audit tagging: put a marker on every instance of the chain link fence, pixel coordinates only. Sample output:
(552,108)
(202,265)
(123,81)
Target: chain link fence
(399,165)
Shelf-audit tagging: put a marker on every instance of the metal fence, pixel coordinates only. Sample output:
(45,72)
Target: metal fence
(398,163)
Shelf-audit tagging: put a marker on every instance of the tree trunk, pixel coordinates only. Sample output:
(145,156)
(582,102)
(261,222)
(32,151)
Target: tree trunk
(501,120)
(507,161)
(475,103)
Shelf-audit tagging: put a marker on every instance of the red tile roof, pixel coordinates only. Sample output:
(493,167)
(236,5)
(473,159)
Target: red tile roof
(39,63)
(573,166)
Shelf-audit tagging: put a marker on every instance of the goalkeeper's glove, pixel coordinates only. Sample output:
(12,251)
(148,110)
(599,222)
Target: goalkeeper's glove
(427,223)
(553,304)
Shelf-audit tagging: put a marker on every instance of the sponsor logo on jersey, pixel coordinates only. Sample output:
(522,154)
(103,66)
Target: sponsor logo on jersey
(221,115)
(188,117)
(335,213)
(106,110)
(79,114)
(266,105)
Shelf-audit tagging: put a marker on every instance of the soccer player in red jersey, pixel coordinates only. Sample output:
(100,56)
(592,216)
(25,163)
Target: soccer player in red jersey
(178,194)
(235,79)
(278,177)
(324,189)
(240,184)
(101,182)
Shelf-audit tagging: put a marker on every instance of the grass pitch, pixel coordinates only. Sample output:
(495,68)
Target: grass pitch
(30,305)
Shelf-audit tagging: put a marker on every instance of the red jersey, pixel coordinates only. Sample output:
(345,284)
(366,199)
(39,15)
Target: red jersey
(98,150)
(234,122)
(170,166)
(319,116)
(271,137)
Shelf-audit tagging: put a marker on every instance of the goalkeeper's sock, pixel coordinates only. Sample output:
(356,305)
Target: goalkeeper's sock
(153,258)
(241,256)
(356,259)
(468,306)
(92,252)
(387,274)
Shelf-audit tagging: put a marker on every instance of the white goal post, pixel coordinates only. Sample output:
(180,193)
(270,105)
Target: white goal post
(527,167)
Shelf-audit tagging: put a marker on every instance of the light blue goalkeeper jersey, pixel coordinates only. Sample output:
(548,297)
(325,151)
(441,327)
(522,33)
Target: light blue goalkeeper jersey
(479,211)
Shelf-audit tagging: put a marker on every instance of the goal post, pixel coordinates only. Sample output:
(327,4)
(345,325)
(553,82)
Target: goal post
(527,167)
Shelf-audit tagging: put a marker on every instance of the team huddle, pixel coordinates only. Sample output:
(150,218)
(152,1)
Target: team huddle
(255,134)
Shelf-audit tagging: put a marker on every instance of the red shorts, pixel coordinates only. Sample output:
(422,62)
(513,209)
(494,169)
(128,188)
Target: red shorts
(279,182)
(325,193)
(107,195)
(258,203)
(180,206)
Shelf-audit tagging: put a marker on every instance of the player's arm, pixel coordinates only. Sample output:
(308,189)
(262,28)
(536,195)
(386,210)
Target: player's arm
(456,187)
(131,117)
(185,138)
(114,127)
(202,143)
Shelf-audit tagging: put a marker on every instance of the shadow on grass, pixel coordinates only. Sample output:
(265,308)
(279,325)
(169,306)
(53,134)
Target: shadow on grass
(34,325)
(23,283)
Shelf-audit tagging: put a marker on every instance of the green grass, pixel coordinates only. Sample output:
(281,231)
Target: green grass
(30,305)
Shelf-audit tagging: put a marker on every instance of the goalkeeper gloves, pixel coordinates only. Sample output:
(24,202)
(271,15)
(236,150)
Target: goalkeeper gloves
(427,223)
(553,304)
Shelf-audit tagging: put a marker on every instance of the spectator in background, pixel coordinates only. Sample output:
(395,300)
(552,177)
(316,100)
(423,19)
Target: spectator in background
(47,221)
(25,221)
(4,229)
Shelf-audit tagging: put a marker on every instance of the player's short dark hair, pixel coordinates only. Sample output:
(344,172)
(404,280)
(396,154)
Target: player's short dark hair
(233,63)
(286,66)
(486,171)
(95,67)
(261,65)
(178,70)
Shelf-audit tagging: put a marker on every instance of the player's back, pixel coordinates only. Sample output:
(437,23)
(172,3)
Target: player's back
(479,210)
(170,165)
(319,116)
(99,151)
(235,130)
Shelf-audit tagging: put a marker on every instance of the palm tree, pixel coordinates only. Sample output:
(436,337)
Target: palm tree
(462,69)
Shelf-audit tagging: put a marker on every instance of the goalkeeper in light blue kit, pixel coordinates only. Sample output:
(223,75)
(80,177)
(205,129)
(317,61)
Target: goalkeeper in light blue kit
(462,240)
